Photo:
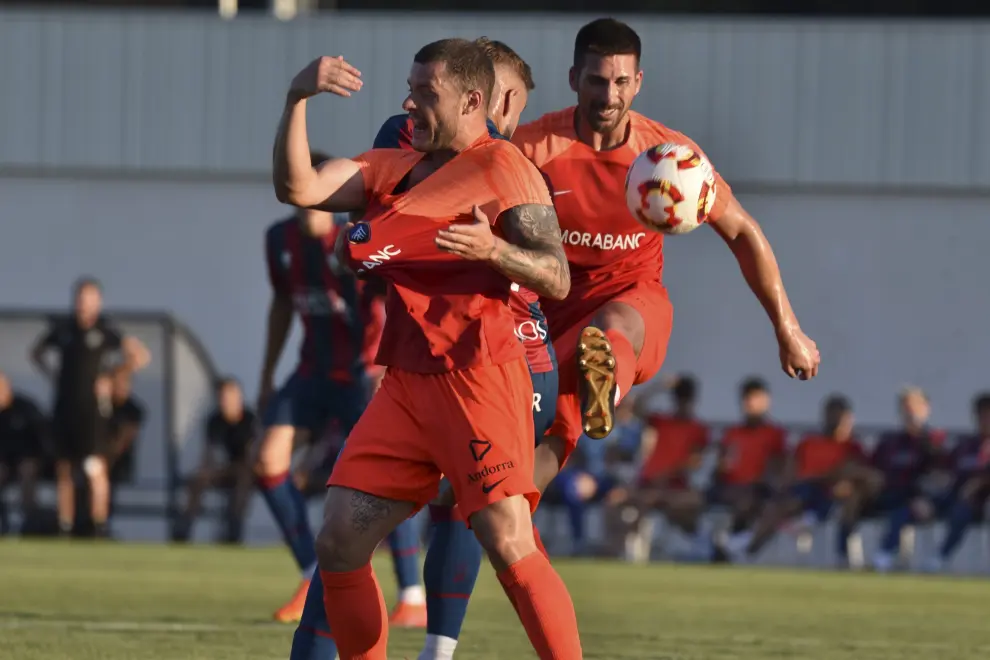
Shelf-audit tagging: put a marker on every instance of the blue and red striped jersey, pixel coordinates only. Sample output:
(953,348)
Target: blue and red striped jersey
(341,321)
(531,324)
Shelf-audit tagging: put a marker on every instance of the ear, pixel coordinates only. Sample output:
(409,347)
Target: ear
(639,80)
(474,101)
(509,100)
(572,76)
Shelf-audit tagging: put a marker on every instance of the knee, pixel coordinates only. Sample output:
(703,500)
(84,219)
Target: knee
(334,550)
(273,454)
(505,531)
(548,459)
(625,319)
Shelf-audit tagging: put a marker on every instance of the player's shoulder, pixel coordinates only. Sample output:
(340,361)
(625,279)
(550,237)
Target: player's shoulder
(278,229)
(648,133)
(543,139)
(395,131)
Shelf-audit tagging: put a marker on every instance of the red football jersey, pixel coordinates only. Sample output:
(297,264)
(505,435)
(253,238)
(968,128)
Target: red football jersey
(748,452)
(818,455)
(677,441)
(608,249)
(442,312)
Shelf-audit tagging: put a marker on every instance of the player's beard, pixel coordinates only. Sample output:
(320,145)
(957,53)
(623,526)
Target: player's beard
(603,118)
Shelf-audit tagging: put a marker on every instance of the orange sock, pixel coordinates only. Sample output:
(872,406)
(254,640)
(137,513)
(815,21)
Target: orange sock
(539,542)
(625,361)
(356,613)
(544,607)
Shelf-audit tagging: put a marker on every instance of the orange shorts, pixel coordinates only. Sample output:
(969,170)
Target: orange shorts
(474,426)
(651,301)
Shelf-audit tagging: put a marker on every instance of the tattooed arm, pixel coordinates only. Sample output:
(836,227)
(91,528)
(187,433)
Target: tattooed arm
(532,254)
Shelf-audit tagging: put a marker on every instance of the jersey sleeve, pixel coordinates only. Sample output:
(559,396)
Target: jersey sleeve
(394,133)
(276,274)
(377,166)
(514,181)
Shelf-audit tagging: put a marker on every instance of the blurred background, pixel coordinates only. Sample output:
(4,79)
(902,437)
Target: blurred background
(135,142)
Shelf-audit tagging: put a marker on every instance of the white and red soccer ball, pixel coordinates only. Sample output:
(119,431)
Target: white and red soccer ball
(670,188)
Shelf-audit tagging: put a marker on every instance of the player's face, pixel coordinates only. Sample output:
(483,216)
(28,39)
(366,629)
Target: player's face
(316,223)
(914,409)
(231,401)
(509,99)
(983,422)
(435,105)
(606,86)
(88,302)
(756,405)
(842,425)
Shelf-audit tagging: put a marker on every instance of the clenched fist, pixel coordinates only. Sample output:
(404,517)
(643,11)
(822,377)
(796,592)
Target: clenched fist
(326,74)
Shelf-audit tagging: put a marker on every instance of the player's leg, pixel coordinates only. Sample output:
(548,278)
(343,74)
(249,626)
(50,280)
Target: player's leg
(98,476)
(906,511)
(488,458)
(313,639)
(383,474)
(291,415)
(960,511)
(241,478)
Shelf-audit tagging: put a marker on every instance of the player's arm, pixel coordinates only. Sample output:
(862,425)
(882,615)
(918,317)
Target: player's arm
(280,312)
(39,352)
(136,354)
(742,233)
(531,254)
(335,185)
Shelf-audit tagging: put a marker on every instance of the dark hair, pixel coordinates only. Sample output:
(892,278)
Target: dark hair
(85,282)
(981,403)
(606,36)
(501,55)
(753,385)
(685,389)
(317,158)
(466,61)
(837,405)
(226,381)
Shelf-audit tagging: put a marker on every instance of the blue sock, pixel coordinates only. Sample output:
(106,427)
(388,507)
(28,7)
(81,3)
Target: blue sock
(576,507)
(312,640)
(453,561)
(897,521)
(404,543)
(960,517)
(288,506)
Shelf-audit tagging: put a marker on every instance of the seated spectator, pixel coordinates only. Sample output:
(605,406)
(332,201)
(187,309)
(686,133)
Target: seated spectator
(123,428)
(750,462)
(904,458)
(826,469)
(673,446)
(593,471)
(23,431)
(230,432)
(965,500)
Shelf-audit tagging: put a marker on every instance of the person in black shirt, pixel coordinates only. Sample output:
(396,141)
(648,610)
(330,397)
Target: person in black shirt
(123,428)
(230,431)
(87,345)
(22,440)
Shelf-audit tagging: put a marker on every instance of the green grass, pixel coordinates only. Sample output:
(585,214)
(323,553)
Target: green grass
(132,602)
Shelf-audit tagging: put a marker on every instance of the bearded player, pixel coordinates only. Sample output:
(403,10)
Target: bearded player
(342,321)
(450,226)
(612,332)
(453,558)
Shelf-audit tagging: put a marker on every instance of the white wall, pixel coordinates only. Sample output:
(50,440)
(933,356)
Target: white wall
(781,102)
(894,289)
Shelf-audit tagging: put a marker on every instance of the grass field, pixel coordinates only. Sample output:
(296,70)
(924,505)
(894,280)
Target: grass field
(131,602)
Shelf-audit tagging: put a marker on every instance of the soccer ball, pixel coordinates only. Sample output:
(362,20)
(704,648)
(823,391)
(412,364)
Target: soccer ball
(670,188)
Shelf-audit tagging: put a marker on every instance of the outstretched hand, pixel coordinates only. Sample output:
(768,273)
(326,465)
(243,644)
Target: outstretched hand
(326,74)
(473,241)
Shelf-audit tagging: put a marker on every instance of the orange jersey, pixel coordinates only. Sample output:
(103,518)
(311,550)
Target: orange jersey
(677,441)
(818,455)
(442,312)
(748,451)
(608,249)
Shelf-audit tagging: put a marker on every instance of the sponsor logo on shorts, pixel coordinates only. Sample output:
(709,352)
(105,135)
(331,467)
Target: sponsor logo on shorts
(487,488)
(479,448)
